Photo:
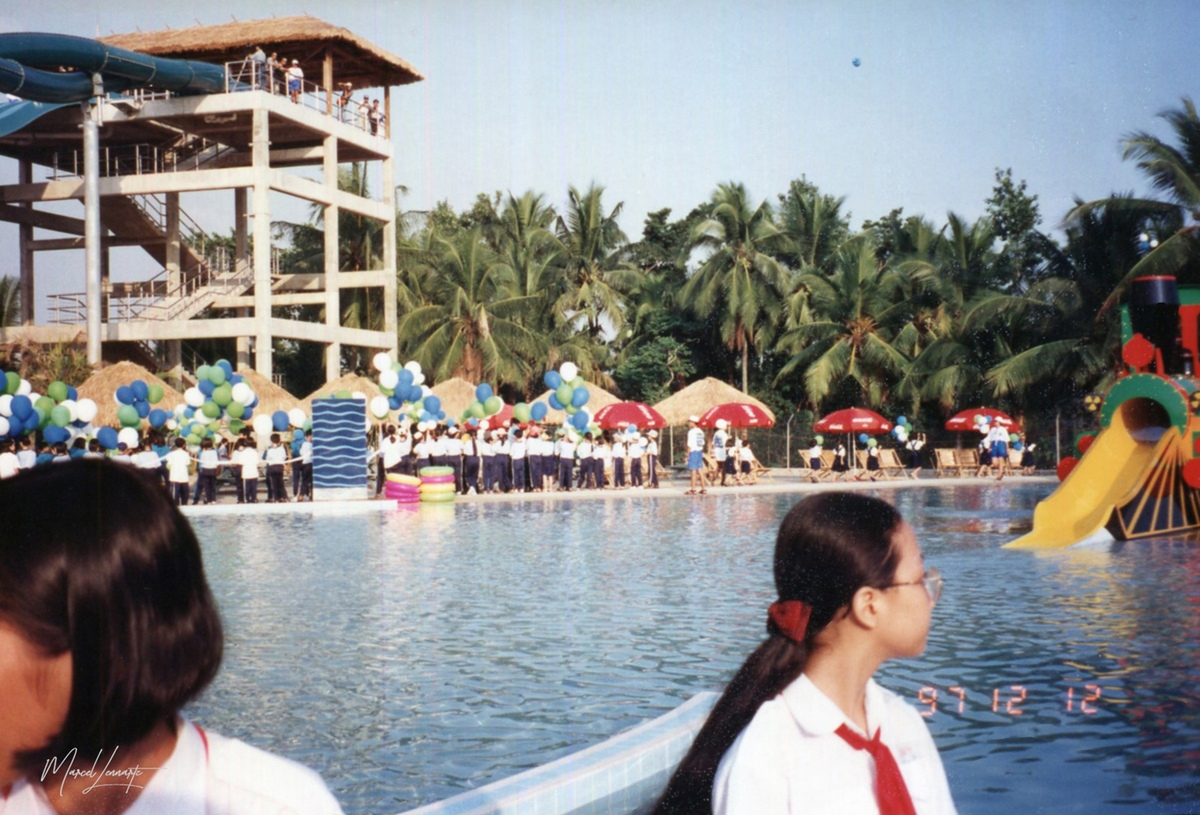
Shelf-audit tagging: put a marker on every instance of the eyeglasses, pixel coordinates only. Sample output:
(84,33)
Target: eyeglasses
(931,580)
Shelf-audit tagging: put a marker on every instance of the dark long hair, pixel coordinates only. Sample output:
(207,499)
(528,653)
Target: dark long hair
(95,561)
(829,546)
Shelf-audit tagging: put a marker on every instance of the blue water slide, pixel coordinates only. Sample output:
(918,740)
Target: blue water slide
(59,68)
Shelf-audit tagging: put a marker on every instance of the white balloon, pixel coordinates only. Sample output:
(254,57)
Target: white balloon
(389,379)
(379,407)
(367,425)
(201,418)
(241,392)
(262,424)
(128,436)
(86,409)
(72,406)
(34,396)
(194,397)
(568,371)
(171,424)
(297,417)
(3,426)
(418,379)
(413,366)
(359,395)
(426,391)
(25,388)
(483,424)
(5,406)
(382,361)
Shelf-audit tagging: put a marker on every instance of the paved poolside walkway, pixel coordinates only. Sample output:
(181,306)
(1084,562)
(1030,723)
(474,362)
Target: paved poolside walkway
(781,481)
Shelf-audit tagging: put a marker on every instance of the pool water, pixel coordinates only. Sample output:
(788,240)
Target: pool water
(409,655)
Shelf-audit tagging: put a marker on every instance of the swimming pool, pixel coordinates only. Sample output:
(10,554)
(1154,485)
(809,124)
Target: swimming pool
(409,655)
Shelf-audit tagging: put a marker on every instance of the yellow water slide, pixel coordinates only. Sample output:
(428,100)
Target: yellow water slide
(1110,474)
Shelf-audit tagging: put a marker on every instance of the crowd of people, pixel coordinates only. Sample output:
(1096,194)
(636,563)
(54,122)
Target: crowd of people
(284,76)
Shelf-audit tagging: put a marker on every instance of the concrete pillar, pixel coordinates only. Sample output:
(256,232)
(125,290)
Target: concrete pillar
(390,317)
(25,232)
(333,299)
(91,229)
(327,80)
(261,152)
(240,244)
(174,272)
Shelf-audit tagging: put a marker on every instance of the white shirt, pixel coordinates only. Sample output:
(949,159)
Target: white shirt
(226,777)
(814,451)
(27,458)
(720,440)
(517,448)
(391,452)
(276,455)
(745,453)
(790,760)
(997,433)
(9,466)
(454,446)
(695,440)
(147,460)
(177,465)
(208,459)
(652,448)
(437,447)
(248,458)
(306,452)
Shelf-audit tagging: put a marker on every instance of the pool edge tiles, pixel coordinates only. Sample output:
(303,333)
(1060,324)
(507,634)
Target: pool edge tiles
(579,782)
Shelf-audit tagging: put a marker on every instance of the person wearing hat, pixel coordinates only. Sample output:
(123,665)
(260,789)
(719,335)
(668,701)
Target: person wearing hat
(295,80)
(566,460)
(637,449)
(652,457)
(695,457)
(720,450)
(453,456)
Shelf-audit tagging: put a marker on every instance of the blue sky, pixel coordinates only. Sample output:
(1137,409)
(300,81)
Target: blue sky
(661,101)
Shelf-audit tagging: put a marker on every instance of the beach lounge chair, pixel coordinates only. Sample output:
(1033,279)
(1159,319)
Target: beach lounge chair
(968,461)
(890,465)
(945,463)
(822,472)
(760,472)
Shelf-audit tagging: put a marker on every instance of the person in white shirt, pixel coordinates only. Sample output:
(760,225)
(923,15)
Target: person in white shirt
(566,460)
(10,465)
(652,457)
(276,458)
(178,462)
(695,457)
(26,456)
(913,446)
(109,630)
(637,449)
(487,461)
(246,455)
(720,449)
(997,439)
(518,449)
(618,463)
(746,458)
(454,453)
(803,727)
(306,467)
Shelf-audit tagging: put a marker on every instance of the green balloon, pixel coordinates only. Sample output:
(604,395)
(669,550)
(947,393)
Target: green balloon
(235,426)
(343,395)
(45,403)
(577,382)
(193,439)
(57,391)
(156,394)
(476,410)
(236,410)
(307,425)
(211,409)
(216,375)
(12,382)
(387,391)
(223,394)
(570,409)
(42,417)
(127,415)
(872,443)
(521,412)
(60,416)
(196,430)
(564,393)
(493,405)
(203,371)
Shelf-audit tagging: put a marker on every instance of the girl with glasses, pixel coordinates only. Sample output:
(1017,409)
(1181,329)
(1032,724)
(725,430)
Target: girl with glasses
(803,727)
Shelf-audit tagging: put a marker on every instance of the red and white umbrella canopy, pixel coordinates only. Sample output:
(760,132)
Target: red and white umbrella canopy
(853,420)
(737,414)
(966,419)
(611,417)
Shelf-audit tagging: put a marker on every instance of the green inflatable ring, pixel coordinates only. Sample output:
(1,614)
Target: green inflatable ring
(437,489)
(436,471)
(438,498)
(400,478)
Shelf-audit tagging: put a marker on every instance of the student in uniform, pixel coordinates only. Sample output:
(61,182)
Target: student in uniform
(306,467)
(872,461)
(247,456)
(839,460)
(209,463)
(108,629)
(470,479)
(652,457)
(695,457)
(814,458)
(503,463)
(276,458)
(487,458)
(518,449)
(566,460)
(178,461)
(533,458)
(584,451)
(384,457)
(454,452)
(637,449)
(802,726)
(746,459)
(619,453)
(913,447)
(720,450)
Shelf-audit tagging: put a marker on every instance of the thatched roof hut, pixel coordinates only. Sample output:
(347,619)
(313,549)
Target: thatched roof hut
(456,394)
(599,398)
(348,382)
(302,37)
(698,397)
(101,388)
(271,397)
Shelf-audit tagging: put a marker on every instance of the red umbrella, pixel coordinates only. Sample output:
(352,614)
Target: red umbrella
(853,420)
(966,419)
(497,419)
(737,414)
(610,417)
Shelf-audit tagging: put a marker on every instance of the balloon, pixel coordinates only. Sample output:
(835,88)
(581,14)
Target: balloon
(4,426)
(158,417)
(1013,438)
(85,410)
(235,410)
(224,365)
(57,391)
(872,443)
(125,395)
(537,411)
(404,377)
(433,404)
(820,439)
(211,409)
(127,415)
(107,438)
(22,408)
(55,434)
(493,405)
(139,388)
(12,382)
(298,434)
(862,438)
(414,366)
(206,387)
(60,416)
(262,424)
(223,394)
(856,62)
(382,362)
(296,417)
(236,426)
(128,436)
(241,393)
(565,393)
(154,394)
(202,372)
(379,407)
(901,420)
(554,403)
(44,403)
(521,412)
(568,371)
(5,404)
(570,409)
(979,418)
(552,379)
(389,379)
(580,420)
(984,429)
(578,382)
(142,408)
(579,397)
(902,436)
(24,388)
(483,392)
(279,421)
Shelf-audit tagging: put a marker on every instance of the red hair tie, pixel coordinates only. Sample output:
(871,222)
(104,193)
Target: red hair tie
(790,618)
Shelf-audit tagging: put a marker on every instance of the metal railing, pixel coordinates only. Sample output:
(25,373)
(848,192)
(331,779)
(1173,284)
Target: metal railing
(138,159)
(248,75)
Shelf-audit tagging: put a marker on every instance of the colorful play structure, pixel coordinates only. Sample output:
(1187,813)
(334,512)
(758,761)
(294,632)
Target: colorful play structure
(1138,477)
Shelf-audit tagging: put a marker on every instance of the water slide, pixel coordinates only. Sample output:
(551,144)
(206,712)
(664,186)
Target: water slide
(1114,470)
(52,70)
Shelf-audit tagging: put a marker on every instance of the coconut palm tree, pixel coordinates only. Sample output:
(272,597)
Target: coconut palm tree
(470,325)
(10,301)
(739,281)
(813,224)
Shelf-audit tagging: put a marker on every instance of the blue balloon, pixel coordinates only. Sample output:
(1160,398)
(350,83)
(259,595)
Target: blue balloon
(553,380)
(406,377)
(236,379)
(580,420)
(537,411)
(189,412)
(125,395)
(450,421)
(251,404)
(298,434)
(554,403)
(441,415)
(632,428)
(248,413)
(901,420)
(394,402)
(483,392)
(72,394)
(426,416)
(158,417)
(433,404)
(142,407)
(856,62)
(279,420)
(225,366)
(21,407)
(414,393)
(54,434)
(579,397)
(140,389)
(107,438)
(15,426)
(206,387)
(862,438)
(473,422)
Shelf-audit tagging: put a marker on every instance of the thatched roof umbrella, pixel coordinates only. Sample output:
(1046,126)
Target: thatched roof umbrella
(348,382)
(271,397)
(698,397)
(101,388)
(599,398)
(456,394)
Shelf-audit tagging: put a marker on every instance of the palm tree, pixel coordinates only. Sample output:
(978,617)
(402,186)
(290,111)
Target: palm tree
(814,225)
(470,325)
(739,281)
(10,301)
(595,275)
